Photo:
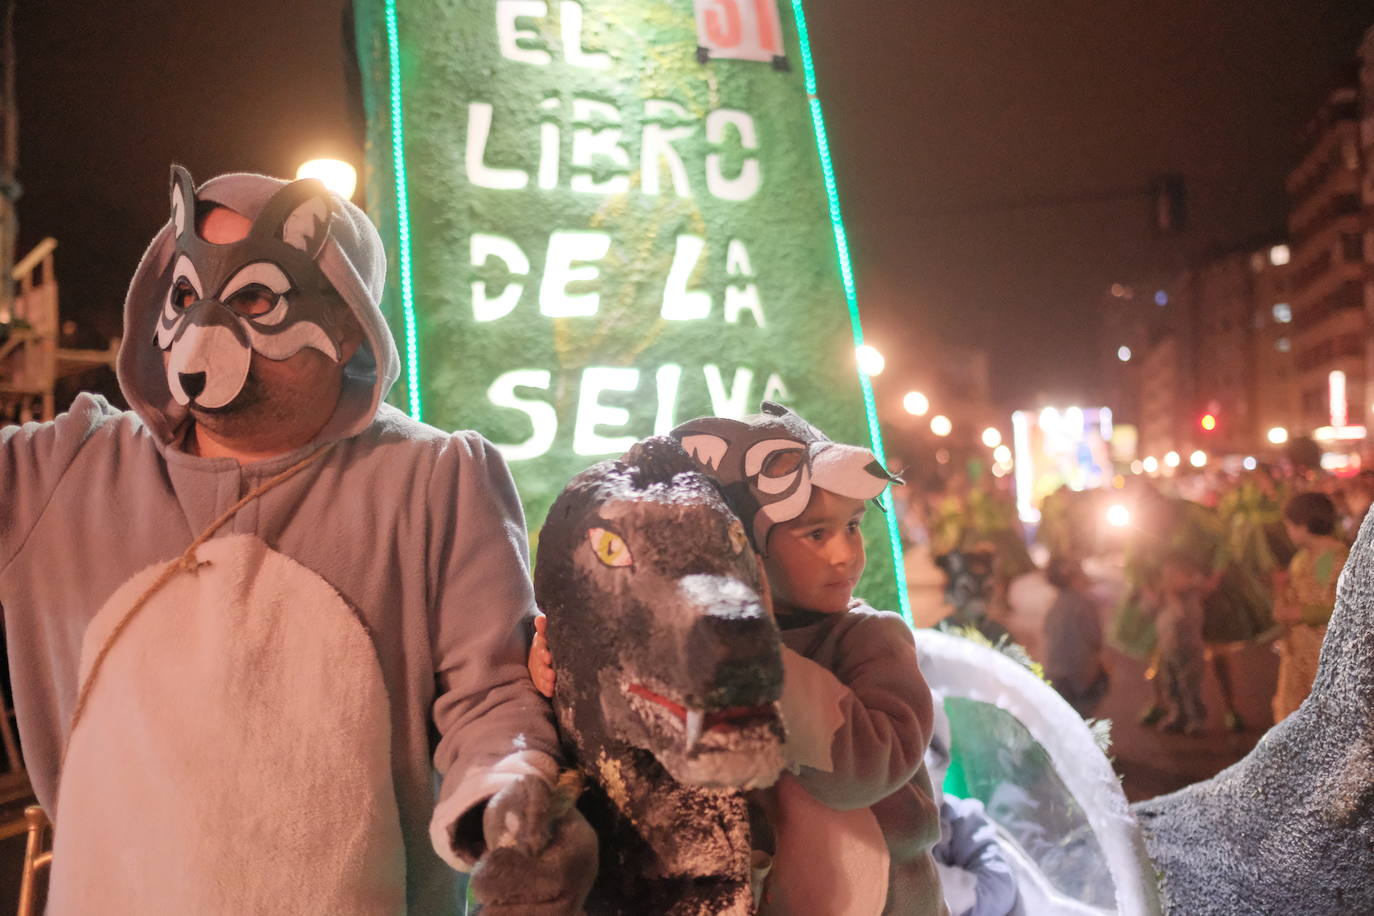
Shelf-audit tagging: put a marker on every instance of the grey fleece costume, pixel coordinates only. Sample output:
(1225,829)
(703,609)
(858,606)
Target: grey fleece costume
(263,737)
(857,690)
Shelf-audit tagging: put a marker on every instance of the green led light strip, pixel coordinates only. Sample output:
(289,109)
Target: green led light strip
(851,298)
(398,158)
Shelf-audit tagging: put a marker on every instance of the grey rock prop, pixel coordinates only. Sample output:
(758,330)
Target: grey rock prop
(668,670)
(1289,829)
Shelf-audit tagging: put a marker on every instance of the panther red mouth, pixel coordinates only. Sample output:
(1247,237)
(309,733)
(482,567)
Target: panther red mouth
(720,720)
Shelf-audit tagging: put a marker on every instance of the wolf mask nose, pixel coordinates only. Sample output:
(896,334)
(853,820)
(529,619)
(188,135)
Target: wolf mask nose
(193,383)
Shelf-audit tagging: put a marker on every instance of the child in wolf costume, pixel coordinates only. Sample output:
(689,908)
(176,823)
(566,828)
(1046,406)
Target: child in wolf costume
(252,723)
(855,820)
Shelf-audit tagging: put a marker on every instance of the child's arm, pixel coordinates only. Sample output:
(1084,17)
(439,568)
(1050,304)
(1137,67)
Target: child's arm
(860,732)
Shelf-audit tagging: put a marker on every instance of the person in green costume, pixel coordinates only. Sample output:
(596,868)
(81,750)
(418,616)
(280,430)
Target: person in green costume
(1237,609)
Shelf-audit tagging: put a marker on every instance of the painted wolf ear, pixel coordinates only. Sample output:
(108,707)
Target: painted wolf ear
(183,191)
(298,214)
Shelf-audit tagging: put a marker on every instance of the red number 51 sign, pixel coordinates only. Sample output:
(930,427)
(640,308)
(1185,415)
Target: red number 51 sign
(740,29)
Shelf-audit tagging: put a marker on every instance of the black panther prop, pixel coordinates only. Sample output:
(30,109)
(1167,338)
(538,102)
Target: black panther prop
(669,671)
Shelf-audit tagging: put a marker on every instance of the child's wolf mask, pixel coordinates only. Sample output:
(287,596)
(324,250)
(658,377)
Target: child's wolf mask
(769,463)
(263,293)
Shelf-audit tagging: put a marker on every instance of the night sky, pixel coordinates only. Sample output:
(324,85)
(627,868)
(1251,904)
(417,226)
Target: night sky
(940,111)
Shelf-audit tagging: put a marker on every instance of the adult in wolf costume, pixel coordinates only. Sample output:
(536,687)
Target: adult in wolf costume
(669,671)
(252,723)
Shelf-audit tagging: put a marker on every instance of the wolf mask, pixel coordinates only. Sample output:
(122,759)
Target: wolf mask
(264,293)
(768,464)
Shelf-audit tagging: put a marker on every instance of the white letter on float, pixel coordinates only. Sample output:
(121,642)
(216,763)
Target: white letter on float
(479,173)
(550,145)
(680,303)
(657,146)
(565,250)
(746,184)
(484,248)
(542,416)
(735,404)
(591,413)
(600,140)
(508,33)
(666,380)
(745,297)
(570,12)
(775,390)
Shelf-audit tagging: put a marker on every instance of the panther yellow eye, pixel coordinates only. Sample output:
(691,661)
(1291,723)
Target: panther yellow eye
(738,540)
(609,547)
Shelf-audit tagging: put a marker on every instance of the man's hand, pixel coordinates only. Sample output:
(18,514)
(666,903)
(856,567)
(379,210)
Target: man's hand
(541,855)
(541,659)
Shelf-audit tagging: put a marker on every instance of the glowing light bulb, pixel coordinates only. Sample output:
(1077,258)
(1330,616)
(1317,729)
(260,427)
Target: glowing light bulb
(916,404)
(940,425)
(337,175)
(871,362)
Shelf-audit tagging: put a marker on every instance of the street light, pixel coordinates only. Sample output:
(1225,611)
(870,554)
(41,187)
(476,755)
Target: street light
(916,404)
(1171,460)
(1002,455)
(1198,459)
(1278,435)
(1150,464)
(871,362)
(940,425)
(1123,354)
(337,175)
(992,437)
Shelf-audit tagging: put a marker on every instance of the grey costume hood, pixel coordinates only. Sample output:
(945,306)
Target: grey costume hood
(352,260)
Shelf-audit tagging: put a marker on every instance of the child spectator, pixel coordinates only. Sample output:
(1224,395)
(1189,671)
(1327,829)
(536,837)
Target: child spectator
(1305,596)
(1178,624)
(855,817)
(1073,639)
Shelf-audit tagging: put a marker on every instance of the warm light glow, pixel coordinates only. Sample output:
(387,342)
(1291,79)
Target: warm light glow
(1123,353)
(1150,464)
(1137,466)
(1209,422)
(1002,455)
(1278,435)
(1025,467)
(1340,415)
(916,404)
(337,175)
(992,437)
(1118,516)
(1171,460)
(1249,463)
(1118,482)
(1279,255)
(871,362)
(940,425)
(1198,459)
(1334,433)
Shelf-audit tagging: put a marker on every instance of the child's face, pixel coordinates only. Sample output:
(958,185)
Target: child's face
(814,561)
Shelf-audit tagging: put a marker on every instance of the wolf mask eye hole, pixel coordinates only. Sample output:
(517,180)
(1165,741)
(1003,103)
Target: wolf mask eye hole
(183,294)
(253,301)
(781,463)
(609,547)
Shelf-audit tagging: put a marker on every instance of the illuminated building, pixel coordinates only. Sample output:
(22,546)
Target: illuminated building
(1327,271)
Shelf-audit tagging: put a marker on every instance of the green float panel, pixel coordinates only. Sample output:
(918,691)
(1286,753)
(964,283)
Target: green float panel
(606,218)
